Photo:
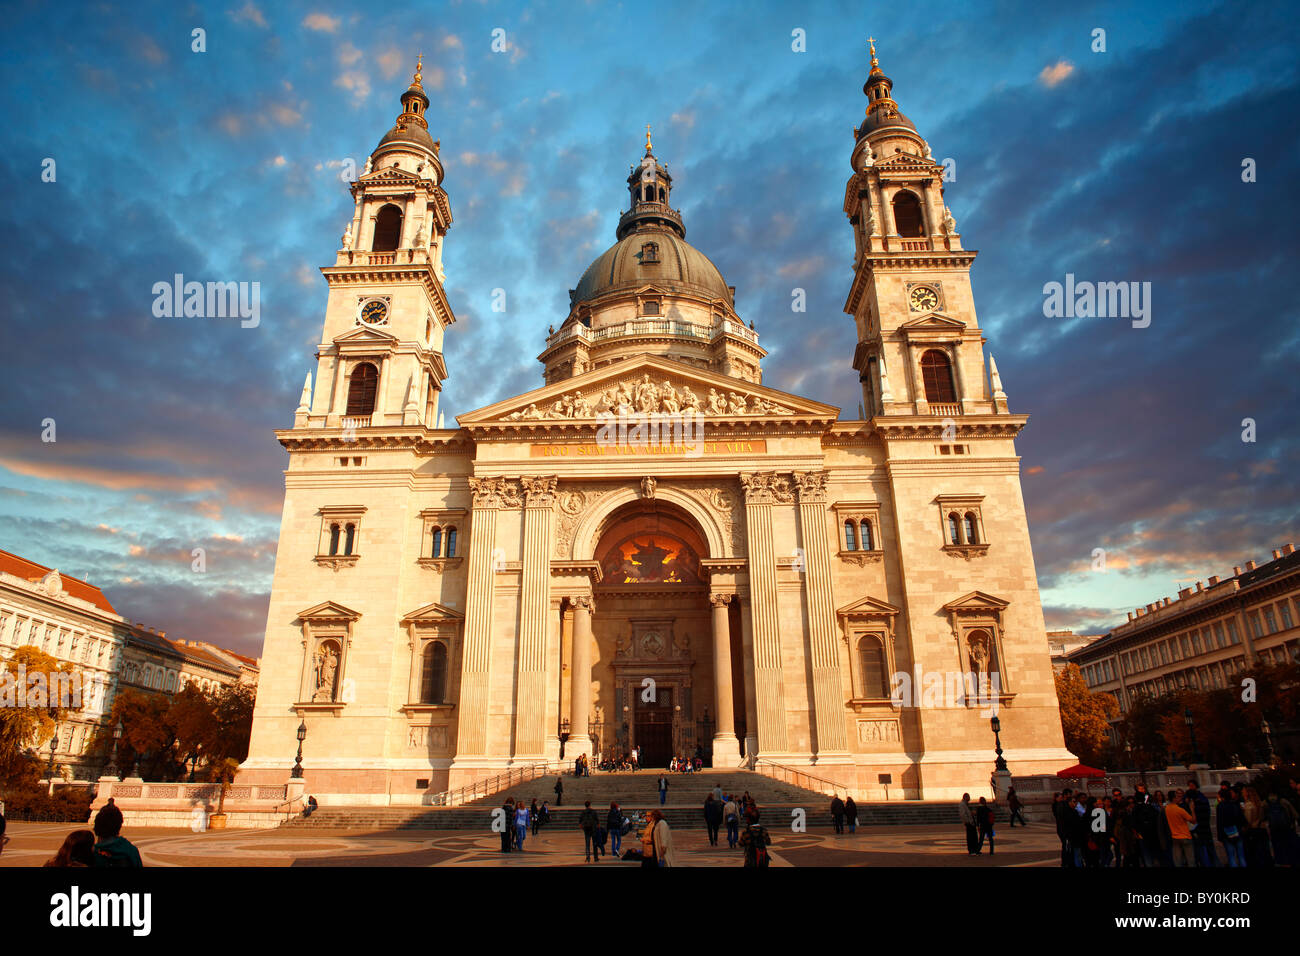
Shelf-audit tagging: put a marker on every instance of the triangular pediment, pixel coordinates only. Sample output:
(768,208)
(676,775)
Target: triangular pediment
(365,335)
(868,607)
(905,159)
(329,611)
(976,601)
(933,322)
(389,174)
(648,384)
(434,613)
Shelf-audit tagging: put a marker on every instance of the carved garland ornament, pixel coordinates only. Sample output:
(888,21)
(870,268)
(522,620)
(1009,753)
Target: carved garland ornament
(811,485)
(495,493)
(766,487)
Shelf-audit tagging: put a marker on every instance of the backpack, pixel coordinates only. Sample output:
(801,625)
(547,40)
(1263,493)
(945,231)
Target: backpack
(1279,821)
(759,837)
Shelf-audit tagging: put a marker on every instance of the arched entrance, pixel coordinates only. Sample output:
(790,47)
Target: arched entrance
(652,681)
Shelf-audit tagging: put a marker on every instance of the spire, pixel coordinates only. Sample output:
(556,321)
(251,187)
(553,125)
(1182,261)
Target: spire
(304,402)
(875,64)
(881,109)
(651,192)
(417,81)
(415,101)
(649,150)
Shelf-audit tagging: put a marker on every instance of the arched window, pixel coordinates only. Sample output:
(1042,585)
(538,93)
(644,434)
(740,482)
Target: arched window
(388,229)
(907,215)
(936,373)
(437,543)
(972,533)
(334,538)
(349,538)
(451,542)
(850,538)
(433,684)
(362,384)
(954,529)
(868,540)
(871,658)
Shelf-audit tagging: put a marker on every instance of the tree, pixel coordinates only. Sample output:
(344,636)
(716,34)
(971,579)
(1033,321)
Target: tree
(36,692)
(1085,715)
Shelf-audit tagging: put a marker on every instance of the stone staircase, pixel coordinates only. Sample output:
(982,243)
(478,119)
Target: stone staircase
(634,792)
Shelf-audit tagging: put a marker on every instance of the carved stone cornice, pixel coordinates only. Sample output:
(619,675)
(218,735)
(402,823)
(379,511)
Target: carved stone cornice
(861,558)
(811,485)
(766,487)
(495,493)
(336,561)
(439,564)
(539,492)
(966,551)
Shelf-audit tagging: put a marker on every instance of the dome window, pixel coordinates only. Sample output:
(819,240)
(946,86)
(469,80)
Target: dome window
(649,252)
(650,308)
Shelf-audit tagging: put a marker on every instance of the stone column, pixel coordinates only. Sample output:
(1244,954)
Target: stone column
(828,703)
(887,212)
(762,490)
(579,741)
(747,667)
(534,600)
(726,751)
(959,378)
(490,495)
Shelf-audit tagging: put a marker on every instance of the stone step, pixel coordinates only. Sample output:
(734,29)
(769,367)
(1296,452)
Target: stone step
(566,817)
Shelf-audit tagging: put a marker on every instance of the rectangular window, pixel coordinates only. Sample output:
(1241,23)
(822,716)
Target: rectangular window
(1254,625)
(1233,636)
(1270,622)
(1218,632)
(1285,608)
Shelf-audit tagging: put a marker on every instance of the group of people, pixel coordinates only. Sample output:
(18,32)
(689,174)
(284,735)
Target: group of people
(1178,829)
(622,760)
(684,764)
(844,813)
(102,846)
(978,821)
(518,819)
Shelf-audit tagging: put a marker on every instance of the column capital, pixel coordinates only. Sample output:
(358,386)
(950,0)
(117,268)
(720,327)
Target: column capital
(766,487)
(584,602)
(495,493)
(539,492)
(720,600)
(811,485)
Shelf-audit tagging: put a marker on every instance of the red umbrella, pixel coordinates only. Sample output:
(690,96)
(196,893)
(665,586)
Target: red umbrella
(1079,770)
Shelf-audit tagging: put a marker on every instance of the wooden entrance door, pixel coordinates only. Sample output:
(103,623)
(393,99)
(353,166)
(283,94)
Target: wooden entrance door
(654,728)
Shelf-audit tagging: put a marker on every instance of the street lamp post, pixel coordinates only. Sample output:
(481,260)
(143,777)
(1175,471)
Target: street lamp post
(1267,731)
(54,743)
(112,770)
(1191,729)
(296,773)
(999,765)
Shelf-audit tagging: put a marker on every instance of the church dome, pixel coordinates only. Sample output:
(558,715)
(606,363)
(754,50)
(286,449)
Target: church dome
(652,255)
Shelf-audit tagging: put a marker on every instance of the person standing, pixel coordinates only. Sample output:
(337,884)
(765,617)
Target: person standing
(968,821)
(1059,808)
(984,821)
(589,820)
(1014,805)
(1281,819)
(1256,832)
(1202,833)
(559,790)
(535,816)
(755,841)
(712,818)
(663,789)
(614,823)
(731,815)
(851,815)
(1230,824)
(648,858)
(1180,835)
(837,813)
(636,758)
(521,825)
(717,793)
(663,841)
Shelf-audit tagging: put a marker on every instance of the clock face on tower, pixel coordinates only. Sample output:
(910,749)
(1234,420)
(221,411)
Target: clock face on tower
(374,312)
(923,299)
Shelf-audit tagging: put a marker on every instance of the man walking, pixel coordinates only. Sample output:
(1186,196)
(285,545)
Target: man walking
(837,813)
(731,814)
(614,823)
(588,820)
(1014,805)
(663,790)
(968,820)
(1180,823)
(559,790)
(712,818)
(521,825)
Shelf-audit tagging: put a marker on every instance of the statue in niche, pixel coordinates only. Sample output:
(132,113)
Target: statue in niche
(327,663)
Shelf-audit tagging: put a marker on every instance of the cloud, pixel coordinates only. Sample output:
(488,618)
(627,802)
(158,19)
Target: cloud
(321,23)
(250,13)
(1053,75)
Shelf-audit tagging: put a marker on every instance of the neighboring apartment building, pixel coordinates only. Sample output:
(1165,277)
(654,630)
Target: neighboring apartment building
(74,622)
(1205,637)
(1064,643)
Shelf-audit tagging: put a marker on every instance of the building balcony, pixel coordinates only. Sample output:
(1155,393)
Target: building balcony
(645,327)
(944,410)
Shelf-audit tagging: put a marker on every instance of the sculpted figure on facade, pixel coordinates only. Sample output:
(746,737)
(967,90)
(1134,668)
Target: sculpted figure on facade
(327,662)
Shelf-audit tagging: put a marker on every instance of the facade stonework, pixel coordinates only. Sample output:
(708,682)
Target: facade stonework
(654,549)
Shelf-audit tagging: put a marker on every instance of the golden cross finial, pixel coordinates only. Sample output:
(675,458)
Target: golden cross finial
(872,41)
(647,139)
(419,69)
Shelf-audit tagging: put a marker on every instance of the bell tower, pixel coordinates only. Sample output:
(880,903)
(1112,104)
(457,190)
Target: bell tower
(920,349)
(380,363)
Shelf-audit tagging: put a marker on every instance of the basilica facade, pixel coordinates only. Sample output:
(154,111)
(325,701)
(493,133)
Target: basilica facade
(654,549)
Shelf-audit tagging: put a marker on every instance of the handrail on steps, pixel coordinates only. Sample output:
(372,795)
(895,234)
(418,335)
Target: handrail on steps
(485,788)
(821,784)
(289,813)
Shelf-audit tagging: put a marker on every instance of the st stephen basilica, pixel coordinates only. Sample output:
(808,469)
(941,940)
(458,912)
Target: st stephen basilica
(764,581)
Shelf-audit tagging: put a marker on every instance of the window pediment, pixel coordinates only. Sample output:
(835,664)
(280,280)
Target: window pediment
(328,612)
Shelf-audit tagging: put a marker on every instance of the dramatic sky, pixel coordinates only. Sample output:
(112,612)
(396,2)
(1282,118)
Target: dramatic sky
(1123,165)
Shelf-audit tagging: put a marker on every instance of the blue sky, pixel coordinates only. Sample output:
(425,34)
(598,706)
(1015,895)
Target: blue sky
(223,165)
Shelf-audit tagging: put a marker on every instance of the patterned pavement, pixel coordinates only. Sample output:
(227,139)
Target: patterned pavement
(31,844)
